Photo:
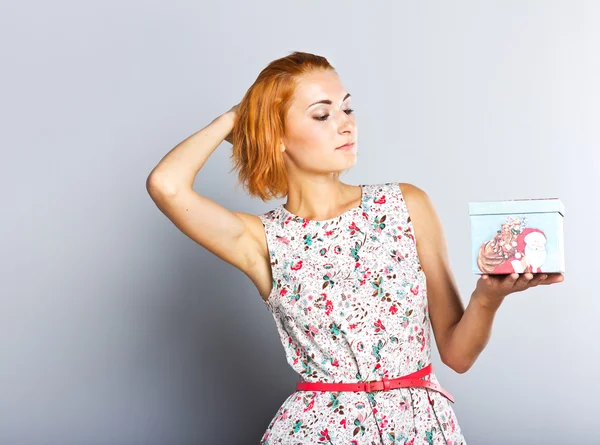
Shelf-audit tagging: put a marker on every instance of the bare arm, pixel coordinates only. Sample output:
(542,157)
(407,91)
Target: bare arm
(445,305)
(232,236)
(460,334)
(179,167)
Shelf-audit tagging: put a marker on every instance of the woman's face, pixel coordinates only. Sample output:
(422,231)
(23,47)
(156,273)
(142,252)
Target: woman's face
(318,122)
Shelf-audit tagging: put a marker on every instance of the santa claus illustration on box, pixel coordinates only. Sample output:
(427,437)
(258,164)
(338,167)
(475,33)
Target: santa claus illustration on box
(530,253)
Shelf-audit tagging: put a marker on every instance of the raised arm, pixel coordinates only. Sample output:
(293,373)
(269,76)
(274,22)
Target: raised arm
(232,236)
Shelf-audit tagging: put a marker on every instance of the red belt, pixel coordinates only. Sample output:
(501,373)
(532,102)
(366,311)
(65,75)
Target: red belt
(407,381)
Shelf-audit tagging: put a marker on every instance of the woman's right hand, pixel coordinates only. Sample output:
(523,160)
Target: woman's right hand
(232,111)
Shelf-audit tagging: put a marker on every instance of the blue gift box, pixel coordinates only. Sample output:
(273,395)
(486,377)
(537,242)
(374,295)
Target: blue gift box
(522,235)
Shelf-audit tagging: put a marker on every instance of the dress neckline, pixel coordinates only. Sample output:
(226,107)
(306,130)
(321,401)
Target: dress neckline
(322,221)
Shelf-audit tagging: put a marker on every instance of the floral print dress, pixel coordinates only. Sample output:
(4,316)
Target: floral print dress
(349,301)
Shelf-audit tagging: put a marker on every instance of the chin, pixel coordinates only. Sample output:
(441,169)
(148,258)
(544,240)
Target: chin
(349,164)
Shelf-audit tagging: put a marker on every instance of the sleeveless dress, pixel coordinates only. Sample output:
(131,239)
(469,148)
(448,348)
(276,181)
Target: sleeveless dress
(349,301)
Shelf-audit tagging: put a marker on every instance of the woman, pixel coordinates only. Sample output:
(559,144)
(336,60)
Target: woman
(353,275)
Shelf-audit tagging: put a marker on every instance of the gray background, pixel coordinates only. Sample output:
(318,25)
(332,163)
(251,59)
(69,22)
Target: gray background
(115,328)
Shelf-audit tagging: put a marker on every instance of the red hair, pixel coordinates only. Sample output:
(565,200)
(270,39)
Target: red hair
(260,124)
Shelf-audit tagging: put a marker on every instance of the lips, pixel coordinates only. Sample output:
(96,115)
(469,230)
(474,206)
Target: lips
(345,146)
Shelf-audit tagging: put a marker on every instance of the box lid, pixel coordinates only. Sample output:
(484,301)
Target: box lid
(520,206)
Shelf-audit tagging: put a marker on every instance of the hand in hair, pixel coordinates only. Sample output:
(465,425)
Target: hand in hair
(233,111)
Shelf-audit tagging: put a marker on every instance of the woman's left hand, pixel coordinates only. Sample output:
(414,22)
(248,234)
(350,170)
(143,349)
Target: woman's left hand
(493,288)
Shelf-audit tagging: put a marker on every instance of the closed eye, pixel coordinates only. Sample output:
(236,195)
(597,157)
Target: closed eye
(324,118)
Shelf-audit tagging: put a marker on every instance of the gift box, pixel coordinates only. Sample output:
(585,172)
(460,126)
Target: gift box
(523,235)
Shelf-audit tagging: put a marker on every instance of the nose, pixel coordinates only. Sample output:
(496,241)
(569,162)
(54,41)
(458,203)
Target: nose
(347,124)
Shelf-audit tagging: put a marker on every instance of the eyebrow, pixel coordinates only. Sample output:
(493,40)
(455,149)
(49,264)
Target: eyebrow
(327,101)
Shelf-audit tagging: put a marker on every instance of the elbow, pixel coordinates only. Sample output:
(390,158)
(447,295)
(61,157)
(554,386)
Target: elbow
(460,365)
(157,185)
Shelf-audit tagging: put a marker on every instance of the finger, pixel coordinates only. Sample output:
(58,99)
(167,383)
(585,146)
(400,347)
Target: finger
(491,279)
(523,280)
(488,280)
(537,279)
(511,279)
(553,278)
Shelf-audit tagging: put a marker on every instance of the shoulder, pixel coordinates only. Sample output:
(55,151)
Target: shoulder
(410,190)
(403,189)
(257,224)
(415,198)
(255,239)
(421,211)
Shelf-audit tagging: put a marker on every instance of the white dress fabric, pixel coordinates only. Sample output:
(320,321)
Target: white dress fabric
(349,301)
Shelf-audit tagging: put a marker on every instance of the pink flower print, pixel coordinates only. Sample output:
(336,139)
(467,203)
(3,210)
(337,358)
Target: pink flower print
(324,435)
(352,326)
(379,326)
(283,291)
(312,330)
(353,228)
(335,363)
(393,309)
(343,423)
(305,223)
(414,290)
(366,276)
(329,233)
(310,406)
(328,307)
(380,200)
(283,239)
(297,266)
(383,421)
